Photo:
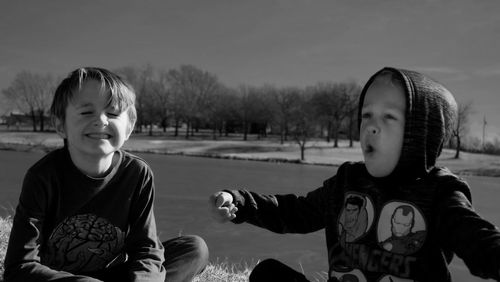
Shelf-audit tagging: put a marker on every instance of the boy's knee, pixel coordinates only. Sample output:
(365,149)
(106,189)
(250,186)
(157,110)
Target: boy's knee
(274,270)
(263,268)
(198,248)
(190,247)
(268,264)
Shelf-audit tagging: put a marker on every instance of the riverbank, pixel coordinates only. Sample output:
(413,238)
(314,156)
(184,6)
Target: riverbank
(318,152)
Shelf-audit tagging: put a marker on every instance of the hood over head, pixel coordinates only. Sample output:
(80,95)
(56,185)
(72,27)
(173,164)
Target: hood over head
(430,117)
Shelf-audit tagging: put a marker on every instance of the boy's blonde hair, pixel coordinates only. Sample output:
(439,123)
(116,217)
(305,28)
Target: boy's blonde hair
(122,94)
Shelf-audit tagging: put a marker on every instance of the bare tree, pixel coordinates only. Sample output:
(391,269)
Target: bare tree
(192,88)
(145,97)
(147,89)
(351,108)
(229,114)
(302,121)
(255,111)
(332,105)
(321,100)
(221,110)
(461,125)
(262,111)
(133,76)
(284,99)
(43,98)
(341,108)
(163,93)
(31,93)
(176,109)
(245,107)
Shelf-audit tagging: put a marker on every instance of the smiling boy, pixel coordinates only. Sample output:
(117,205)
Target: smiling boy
(85,212)
(418,215)
(95,127)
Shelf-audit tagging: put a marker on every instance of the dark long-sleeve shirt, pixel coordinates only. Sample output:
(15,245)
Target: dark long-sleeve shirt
(378,230)
(73,227)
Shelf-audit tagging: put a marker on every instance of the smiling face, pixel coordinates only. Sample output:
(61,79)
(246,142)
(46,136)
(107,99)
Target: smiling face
(92,127)
(382,126)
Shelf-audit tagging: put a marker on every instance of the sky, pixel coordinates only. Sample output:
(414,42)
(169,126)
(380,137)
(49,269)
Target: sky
(279,42)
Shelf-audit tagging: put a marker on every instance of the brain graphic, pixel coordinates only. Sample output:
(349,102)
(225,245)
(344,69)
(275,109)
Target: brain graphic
(84,243)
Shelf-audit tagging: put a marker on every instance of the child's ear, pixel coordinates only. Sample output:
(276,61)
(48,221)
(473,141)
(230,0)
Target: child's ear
(60,129)
(129,129)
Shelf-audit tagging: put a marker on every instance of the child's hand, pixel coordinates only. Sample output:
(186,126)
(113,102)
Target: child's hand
(222,207)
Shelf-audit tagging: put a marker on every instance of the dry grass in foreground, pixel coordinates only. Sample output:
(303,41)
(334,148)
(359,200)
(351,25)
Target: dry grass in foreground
(5,226)
(224,271)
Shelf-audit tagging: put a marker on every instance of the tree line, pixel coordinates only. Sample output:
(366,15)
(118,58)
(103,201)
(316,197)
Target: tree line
(188,99)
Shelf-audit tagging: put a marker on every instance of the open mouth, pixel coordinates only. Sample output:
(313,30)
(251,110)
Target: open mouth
(369,149)
(99,135)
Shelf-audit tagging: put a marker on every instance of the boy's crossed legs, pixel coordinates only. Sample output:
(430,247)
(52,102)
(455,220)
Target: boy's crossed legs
(185,257)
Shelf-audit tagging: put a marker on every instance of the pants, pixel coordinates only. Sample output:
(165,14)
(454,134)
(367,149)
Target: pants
(273,270)
(185,257)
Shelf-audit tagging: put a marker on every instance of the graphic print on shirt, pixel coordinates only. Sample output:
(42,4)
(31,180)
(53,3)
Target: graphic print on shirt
(401,228)
(356,217)
(84,243)
(390,278)
(352,276)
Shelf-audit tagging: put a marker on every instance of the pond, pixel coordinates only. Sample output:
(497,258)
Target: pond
(183,185)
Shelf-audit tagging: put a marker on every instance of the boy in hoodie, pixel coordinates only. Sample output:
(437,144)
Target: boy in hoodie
(394,217)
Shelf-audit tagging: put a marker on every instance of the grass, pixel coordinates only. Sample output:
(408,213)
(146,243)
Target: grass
(218,271)
(224,271)
(5,226)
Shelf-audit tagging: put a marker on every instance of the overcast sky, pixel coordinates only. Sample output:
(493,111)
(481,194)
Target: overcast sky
(285,43)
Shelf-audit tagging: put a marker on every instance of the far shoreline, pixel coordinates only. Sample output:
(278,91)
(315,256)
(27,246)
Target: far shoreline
(318,152)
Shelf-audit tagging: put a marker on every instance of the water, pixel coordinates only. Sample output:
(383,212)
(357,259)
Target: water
(183,185)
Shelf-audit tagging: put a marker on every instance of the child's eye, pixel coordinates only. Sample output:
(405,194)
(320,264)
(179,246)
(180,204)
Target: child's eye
(86,113)
(113,114)
(365,115)
(391,117)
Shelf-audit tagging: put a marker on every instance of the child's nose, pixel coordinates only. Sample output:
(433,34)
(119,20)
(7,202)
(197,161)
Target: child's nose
(101,120)
(373,129)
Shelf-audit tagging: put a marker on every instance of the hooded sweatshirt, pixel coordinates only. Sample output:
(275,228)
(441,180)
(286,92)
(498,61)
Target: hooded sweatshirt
(403,227)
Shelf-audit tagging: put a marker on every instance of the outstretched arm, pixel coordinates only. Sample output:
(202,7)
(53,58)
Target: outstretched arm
(283,213)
